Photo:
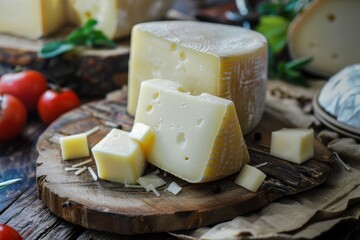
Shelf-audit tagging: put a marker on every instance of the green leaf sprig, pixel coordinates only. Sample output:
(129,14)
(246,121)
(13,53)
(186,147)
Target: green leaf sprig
(85,35)
(9,182)
(275,17)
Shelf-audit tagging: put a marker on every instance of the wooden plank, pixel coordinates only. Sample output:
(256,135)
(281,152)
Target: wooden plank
(111,207)
(95,72)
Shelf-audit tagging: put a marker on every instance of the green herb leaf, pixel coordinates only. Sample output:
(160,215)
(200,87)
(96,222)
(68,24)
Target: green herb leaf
(9,182)
(274,28)
(86,35)
(299,63)
(55,48)
(291,71)
(275,17)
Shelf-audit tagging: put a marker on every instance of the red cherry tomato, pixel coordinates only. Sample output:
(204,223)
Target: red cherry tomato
(13,117)
(27,86)
(8,233)
(53,103)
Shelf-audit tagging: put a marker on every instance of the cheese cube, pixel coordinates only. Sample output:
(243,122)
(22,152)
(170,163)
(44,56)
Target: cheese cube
(142,133)
(31,18)
(116,17)
(294,145)
(119,158)
(226,61)
(250,178)
(74,146)
(197,138)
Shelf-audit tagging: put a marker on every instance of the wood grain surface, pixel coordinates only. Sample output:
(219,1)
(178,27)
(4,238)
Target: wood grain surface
(110,207)
(95,72)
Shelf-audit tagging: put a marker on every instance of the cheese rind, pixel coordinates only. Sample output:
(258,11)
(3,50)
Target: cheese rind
(250,178)
(119,158)
(74,146)
(226,61)
(197,138)
(31,18)
(294,145)
(326,31)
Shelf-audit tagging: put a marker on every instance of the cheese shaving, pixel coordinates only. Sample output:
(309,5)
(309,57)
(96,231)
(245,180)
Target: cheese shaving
(93,130)
(92,173)
(174,188)
(81,170)
(69,169)
(152,179)
(81,164)
(152,188)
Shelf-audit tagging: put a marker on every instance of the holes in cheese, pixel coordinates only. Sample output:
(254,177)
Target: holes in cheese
(119,158)
(294,145)
(199,143)
(222,60)
(250,178)
(326,31)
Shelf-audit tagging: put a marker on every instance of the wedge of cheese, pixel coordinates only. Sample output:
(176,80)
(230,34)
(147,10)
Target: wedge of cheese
(328,31)
(119,158)
(226,61)
(31,18)
(116,17)
(197,138)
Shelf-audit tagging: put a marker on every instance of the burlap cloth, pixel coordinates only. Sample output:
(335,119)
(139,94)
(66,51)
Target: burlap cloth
(308,214)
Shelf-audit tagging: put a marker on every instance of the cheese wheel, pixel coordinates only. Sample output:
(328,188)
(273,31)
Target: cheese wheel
(226,61)
(328,31)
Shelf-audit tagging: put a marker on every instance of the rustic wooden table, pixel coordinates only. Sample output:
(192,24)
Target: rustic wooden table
(19,203)
(21,208)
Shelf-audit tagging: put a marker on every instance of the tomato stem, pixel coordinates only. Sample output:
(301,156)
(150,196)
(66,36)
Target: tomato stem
(54,87)
(1,101)
(18,69)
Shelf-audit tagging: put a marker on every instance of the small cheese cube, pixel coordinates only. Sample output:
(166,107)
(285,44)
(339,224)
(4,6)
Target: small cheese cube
(197,138)
(119,158)
(250,178)
(294,145)
(74,146)
(142,133)
(222,60)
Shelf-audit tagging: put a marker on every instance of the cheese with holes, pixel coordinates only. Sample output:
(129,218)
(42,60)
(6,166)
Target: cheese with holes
(197,138)
(226,61)
(143,134)
(294,145)
(31,18)
(74,146)
(250,178)
(116,17)
(119,158)
(327,31)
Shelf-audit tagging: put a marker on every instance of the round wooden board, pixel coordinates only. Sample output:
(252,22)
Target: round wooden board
(110,207)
